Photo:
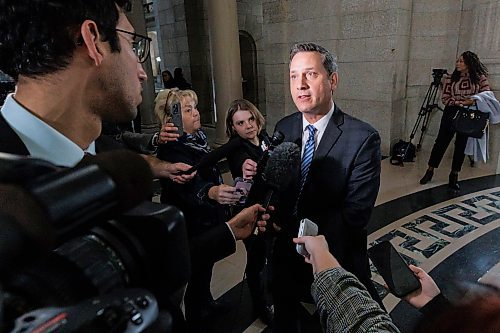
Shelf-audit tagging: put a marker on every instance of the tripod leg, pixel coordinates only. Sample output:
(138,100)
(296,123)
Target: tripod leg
(422,112)
(430,106)
(424,129)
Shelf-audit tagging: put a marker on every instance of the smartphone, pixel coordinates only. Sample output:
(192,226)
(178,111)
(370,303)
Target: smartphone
(243,187)
(307,228)
(394,270)
(177,118)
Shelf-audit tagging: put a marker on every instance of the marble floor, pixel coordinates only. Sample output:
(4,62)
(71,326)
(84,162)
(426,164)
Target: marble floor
(453,237)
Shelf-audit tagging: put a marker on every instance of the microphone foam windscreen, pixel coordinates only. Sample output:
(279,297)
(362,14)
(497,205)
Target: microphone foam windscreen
(130,172)
(282,165)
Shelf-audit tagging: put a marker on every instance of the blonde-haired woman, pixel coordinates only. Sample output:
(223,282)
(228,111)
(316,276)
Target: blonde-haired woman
(204,201)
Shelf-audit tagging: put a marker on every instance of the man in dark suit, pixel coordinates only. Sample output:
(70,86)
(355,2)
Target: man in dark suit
(336,187)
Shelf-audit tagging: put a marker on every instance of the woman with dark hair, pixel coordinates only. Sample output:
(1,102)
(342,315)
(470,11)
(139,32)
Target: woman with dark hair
(168,80)
(468,78)
(179,80)
(245,123)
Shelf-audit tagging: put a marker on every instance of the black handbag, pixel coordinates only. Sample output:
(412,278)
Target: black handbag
(402,151)
(470,122)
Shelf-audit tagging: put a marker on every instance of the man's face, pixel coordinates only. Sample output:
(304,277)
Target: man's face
(122,77)
(310,85)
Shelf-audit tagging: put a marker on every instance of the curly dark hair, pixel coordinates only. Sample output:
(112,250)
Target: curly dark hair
(38,37)
(475,66)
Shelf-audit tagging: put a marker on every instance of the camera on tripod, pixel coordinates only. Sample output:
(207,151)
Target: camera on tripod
(437,74)
(429,104)
(81,251)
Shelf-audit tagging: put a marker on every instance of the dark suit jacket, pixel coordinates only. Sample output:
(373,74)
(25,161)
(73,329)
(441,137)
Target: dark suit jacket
(340,190)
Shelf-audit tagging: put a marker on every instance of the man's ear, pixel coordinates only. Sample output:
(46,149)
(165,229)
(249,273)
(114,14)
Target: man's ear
(334,80)
(92,41)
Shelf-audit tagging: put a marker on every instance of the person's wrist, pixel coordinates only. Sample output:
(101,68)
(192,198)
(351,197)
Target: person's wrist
(211,192)
(324,261)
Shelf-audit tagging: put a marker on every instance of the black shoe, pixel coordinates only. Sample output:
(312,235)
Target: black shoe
(427,177)
(453,181)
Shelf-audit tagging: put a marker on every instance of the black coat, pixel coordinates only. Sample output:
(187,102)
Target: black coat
(201,212)
(246,151)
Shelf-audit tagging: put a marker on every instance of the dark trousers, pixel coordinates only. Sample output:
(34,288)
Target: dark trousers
(291,284)
(198,297)
(445,134)
(259,250)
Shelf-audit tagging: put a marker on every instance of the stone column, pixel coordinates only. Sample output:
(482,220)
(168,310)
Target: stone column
(148,118)
(225,54)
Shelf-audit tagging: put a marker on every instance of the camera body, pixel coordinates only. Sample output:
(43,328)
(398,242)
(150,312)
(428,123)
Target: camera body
(110,261)
(437,74)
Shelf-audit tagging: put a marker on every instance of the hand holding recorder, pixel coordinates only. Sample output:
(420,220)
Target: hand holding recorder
(319,256)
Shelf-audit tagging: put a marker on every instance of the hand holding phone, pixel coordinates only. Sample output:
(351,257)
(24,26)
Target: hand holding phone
(177,118)
(394,270)
(242,187)
(307,228)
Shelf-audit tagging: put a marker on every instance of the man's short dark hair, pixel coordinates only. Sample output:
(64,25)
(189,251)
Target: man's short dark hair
(38,37)
(329,60)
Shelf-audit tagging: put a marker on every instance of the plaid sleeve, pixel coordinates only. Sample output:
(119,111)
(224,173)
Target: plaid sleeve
(344,304)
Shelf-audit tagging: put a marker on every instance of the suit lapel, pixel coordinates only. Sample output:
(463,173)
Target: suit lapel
(331,135)
(296,132)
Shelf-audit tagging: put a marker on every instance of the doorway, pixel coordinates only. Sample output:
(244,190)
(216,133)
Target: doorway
(248,57)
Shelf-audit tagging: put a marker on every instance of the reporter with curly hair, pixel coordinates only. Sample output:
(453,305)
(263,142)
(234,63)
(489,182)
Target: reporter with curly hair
(468,79)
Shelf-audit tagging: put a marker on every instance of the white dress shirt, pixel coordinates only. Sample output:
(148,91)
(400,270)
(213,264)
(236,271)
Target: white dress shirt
(320,126)
(42,140)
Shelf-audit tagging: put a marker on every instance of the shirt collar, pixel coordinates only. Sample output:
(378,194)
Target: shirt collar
(321,124)
(42,140)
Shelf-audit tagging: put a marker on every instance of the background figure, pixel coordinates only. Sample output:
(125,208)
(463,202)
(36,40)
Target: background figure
(168,80)
(245,123)
(336,187)
(204,201)
(179,80)
(468,79)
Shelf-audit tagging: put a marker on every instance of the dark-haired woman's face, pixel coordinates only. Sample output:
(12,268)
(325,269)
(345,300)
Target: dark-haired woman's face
(461,66)
(245,125)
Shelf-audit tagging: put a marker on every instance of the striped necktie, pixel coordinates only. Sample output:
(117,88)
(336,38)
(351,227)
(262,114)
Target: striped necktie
(306,160)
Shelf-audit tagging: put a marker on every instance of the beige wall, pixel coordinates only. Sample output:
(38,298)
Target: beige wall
(386,51)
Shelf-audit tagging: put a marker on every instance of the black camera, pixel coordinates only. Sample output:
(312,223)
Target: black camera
(70,241)
(437,74)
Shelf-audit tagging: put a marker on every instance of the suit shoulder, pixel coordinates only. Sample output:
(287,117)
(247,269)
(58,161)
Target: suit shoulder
(288,120)
(358,125)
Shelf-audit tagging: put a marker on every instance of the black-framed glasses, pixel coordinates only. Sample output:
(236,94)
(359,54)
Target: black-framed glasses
(140,45)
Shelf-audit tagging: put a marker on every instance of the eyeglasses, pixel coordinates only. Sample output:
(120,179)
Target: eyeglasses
(140,45)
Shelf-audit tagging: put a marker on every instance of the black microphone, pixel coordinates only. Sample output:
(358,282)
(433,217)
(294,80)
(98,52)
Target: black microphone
(59,204)
(277,174)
